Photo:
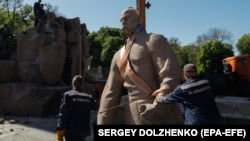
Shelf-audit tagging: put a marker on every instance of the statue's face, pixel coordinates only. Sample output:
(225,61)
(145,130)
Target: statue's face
(129,20)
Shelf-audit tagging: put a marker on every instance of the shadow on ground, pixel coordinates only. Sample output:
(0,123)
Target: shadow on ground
(15,128)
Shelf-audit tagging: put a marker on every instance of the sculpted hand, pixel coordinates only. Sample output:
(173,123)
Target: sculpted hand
(160,91)
(159,98)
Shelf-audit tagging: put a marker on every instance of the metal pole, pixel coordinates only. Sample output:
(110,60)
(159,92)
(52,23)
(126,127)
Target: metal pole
(141,8)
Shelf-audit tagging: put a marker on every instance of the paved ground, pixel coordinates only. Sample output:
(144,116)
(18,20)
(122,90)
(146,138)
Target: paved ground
(13,128)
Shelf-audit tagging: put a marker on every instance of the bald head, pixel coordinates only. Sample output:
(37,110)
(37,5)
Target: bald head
(132,11)
(130,19)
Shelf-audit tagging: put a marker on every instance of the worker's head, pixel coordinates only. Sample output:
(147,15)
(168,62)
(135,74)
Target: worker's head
(130,19)
(189,70)
(78,82)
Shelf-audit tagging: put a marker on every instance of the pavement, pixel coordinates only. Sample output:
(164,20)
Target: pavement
(17,128)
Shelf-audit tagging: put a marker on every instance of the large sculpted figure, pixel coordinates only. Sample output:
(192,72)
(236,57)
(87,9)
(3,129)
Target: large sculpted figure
(153,60)
(74,40)
(53,51)
(57,50)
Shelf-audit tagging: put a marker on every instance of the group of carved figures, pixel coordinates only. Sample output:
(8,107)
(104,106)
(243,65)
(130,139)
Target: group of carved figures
(60,49)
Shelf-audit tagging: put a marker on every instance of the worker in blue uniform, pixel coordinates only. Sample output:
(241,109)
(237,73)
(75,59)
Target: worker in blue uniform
(196,98)
(74,119)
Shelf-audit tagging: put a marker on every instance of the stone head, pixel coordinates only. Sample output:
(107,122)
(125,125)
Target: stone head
(130,19)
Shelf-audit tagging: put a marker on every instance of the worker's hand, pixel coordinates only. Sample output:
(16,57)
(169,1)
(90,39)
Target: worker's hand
(59,135)
(159,98)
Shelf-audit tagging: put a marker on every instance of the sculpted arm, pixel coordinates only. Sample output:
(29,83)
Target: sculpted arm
(111,95)
(166,64)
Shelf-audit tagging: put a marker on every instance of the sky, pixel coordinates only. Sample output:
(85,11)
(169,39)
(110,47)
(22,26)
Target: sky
(182,19)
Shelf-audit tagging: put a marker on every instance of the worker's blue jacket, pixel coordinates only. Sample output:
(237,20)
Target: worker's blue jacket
(75,112)
(198,101)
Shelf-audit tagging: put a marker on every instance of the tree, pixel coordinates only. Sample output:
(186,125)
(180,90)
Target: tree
(24,18)
(95,49)
(175,44)
(211,55)
(188,54)
(17,16)
(14,6)
(110,46)
(221,35)
(243,44)
(104,43)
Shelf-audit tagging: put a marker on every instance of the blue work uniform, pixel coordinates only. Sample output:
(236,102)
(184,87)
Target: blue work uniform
(198,101)
(75,113)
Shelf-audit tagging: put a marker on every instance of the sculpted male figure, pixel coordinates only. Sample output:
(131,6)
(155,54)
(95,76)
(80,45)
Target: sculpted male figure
(153,60)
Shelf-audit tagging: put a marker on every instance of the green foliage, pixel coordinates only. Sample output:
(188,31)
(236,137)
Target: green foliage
(211,55)
(188,54)
(95,49)
(175,44)
(110,46)
(243,44)
(4,18)
(19,19)
(25,18)
(104,43)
